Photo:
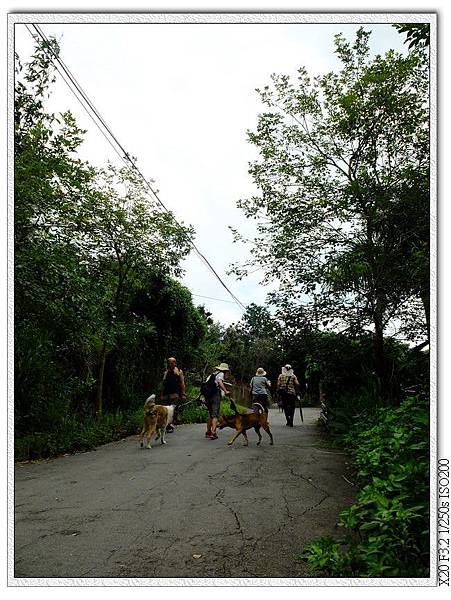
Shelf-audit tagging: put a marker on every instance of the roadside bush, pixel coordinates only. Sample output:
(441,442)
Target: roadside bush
(193,413)
(73,435)
(387,529)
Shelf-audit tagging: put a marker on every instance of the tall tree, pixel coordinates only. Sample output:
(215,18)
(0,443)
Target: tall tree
(339,154)
(122,231)
(84,237)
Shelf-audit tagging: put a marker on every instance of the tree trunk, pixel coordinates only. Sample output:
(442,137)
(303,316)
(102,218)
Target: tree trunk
(380,361)
(99,395)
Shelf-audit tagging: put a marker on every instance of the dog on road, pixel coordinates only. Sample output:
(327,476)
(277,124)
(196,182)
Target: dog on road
(156,418)
(244,421)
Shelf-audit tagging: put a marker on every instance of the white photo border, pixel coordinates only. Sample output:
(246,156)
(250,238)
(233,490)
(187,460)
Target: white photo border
(224,17)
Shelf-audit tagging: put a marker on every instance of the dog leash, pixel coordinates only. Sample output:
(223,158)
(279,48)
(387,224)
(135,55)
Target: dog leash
(197,400)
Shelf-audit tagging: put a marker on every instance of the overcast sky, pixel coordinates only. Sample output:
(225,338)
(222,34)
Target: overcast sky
(180,98)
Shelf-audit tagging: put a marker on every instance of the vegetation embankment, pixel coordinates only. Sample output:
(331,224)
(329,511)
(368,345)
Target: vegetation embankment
(386,532)
(73,435)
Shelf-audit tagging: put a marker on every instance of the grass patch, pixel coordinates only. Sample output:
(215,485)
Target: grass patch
(73,435)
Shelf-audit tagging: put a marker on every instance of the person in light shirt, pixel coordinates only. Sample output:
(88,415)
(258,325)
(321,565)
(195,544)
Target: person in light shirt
(260,388)
(214,402)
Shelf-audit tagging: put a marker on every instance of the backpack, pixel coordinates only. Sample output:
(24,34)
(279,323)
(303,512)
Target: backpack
(283,389)
(209,388)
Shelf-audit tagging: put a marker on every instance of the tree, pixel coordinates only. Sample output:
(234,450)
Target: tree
(338,156)
(252,342)
(87,243)
(121,230)
(415,216)
(50,279)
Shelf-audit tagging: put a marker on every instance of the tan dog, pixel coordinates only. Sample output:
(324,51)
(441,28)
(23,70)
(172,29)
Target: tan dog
(156,418)
(242,422)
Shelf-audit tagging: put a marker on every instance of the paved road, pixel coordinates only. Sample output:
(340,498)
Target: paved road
(123,511)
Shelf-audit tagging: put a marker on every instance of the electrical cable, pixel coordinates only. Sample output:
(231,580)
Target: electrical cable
(126,159)
(210,298)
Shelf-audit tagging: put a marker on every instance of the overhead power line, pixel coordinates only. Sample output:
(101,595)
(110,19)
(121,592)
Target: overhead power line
(113,141)
(210,298)
(82,104)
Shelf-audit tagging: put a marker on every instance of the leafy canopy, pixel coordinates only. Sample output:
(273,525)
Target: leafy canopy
(343,159)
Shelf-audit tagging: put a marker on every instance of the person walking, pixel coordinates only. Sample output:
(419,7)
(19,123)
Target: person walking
(287,387)
(260,388)
(213,389)
(173,390)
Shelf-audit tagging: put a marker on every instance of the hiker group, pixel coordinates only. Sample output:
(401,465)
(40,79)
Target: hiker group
(214,388)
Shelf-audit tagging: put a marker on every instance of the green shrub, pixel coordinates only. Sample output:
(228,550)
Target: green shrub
(193,413)
(73,435)
(387,529)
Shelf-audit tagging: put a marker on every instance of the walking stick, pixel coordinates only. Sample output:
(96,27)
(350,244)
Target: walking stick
(300,409)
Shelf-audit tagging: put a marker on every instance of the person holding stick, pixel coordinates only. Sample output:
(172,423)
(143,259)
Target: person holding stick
(287,388)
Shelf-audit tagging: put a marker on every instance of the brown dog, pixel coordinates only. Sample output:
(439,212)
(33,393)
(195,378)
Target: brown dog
(243,422)
(156,418)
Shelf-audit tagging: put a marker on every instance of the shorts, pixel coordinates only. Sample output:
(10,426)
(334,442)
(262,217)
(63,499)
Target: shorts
(213,405)
(169,399)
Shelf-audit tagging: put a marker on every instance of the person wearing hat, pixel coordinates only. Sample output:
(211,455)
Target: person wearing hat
(260,388)
(214,401)
(287,386)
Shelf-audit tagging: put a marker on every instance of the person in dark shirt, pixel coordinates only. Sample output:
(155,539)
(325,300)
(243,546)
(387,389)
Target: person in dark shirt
(173,390)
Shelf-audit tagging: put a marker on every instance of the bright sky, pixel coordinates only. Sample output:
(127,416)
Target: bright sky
(180,98)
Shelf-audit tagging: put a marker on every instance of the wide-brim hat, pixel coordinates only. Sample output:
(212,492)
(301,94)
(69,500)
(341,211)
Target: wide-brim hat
(260,371)
(223,367)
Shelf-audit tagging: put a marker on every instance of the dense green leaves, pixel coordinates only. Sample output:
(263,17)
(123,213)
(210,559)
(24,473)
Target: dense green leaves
(97,310)
(387,529)
(342,213)
(418,34)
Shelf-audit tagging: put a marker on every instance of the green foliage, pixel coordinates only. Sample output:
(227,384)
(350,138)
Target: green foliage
(194,413)
(418,34)
(198,413)
(252,342)
(340,366)
(346,370)
(387,529)
(72,435)
(342,210)
(97,310)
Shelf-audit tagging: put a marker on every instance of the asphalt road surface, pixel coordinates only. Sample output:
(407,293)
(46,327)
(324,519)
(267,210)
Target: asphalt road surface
(194,508)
